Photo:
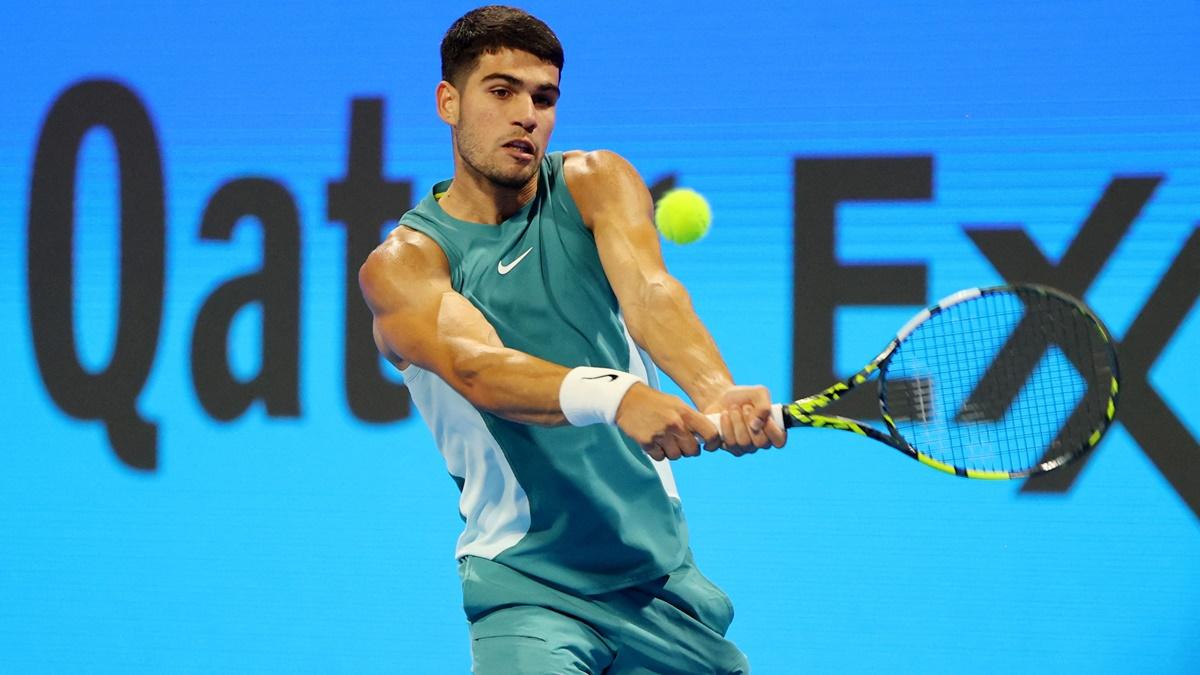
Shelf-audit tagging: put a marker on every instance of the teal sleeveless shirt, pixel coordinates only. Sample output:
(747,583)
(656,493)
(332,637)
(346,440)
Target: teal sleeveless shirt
(583,508)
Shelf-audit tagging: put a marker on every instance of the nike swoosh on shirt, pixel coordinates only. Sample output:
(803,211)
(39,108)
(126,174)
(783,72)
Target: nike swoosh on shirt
(505,269)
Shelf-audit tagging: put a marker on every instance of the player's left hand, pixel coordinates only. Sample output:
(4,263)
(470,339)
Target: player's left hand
(746,424)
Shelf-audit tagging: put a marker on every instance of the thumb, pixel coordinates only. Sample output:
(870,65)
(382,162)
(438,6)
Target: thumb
(702,426)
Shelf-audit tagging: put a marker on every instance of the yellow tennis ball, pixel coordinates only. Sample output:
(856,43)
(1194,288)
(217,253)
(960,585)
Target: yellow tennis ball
(682,215)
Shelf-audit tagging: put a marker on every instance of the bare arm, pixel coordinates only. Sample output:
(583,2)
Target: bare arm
(420,319)
(618,208)
(657,308)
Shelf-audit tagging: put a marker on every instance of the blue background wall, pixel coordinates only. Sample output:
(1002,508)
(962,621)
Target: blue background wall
(319,542)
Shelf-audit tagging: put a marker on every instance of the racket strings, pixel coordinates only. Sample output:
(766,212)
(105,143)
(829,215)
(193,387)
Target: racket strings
(1001,382)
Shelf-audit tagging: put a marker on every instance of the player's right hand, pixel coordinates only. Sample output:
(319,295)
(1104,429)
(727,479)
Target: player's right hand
(664,425)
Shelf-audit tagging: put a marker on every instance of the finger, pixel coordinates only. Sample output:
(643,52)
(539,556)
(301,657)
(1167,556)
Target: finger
(777,434)
(755,424)
(714,442)
(654,451)
(682,436)
(762,403)
(669,448)
(754,418)
(741,435)
(688,445)
(728,441)
(702,428)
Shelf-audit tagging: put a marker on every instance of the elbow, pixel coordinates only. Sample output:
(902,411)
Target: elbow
(469,377)
(658,301)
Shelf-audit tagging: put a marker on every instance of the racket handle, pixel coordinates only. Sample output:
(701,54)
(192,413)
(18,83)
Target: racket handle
(776,414)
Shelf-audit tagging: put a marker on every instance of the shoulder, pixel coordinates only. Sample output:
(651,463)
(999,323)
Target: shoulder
(585,167)
(601,180)
(404,257)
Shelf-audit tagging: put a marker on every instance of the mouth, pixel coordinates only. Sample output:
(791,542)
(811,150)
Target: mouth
(521,149)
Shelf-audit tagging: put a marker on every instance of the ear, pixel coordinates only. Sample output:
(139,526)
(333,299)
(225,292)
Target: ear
(448,103)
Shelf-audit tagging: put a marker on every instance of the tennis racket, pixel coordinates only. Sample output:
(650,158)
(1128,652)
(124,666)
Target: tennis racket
(993,383)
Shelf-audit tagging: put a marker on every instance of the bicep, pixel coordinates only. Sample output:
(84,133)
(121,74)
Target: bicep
(433,332)
(418,317)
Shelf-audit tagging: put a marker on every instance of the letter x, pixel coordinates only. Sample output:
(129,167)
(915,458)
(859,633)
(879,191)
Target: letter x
(1142,411)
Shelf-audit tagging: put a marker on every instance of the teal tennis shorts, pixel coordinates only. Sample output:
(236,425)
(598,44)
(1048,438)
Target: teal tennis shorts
(672,625)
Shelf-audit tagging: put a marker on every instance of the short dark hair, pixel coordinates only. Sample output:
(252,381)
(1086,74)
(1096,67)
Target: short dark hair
(487,30)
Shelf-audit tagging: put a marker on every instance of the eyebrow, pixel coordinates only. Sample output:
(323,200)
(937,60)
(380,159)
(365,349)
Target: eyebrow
(518,82)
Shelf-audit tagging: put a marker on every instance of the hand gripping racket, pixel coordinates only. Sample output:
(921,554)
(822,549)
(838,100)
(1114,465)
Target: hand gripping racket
(995,383)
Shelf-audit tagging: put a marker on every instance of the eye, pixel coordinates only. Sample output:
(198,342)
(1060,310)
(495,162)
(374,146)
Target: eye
(501,92)
(543,101)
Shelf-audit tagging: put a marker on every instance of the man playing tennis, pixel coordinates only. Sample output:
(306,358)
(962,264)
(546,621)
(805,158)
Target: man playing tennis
(527,303)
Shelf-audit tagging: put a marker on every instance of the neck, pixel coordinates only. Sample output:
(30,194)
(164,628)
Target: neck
(474,198)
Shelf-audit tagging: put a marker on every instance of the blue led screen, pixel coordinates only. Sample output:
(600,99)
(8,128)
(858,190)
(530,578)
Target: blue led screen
(861,160)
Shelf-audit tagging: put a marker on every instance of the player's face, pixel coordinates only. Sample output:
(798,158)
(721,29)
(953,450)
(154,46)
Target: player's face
(505,116)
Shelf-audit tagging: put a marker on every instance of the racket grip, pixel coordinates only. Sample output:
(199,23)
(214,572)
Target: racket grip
(776,414)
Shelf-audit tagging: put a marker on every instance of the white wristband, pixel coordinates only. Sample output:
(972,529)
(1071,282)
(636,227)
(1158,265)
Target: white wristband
(592,395)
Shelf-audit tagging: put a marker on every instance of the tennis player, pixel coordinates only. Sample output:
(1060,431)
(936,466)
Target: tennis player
(527,303)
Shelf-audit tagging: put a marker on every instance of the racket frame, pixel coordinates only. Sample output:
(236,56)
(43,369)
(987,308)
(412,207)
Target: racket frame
(803,412)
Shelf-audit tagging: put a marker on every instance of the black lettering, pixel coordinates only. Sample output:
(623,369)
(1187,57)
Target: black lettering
(662,186)
(366,201)
(1143,413)
(820,283)
(110,395)
(1017,258)
(275,286)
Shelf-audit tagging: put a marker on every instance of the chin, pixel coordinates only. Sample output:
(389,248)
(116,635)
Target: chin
(518,180)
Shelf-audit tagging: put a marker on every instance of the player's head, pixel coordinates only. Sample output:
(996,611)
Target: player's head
(490,29)
(499,89)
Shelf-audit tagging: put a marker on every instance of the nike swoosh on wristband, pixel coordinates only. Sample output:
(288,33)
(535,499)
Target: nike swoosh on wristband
(505,269)
(609,376)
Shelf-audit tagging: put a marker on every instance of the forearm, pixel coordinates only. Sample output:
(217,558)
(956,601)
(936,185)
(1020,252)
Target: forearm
(420,319)
(509,383)
(665,324)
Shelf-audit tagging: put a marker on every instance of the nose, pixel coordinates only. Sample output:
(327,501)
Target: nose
(525,114)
